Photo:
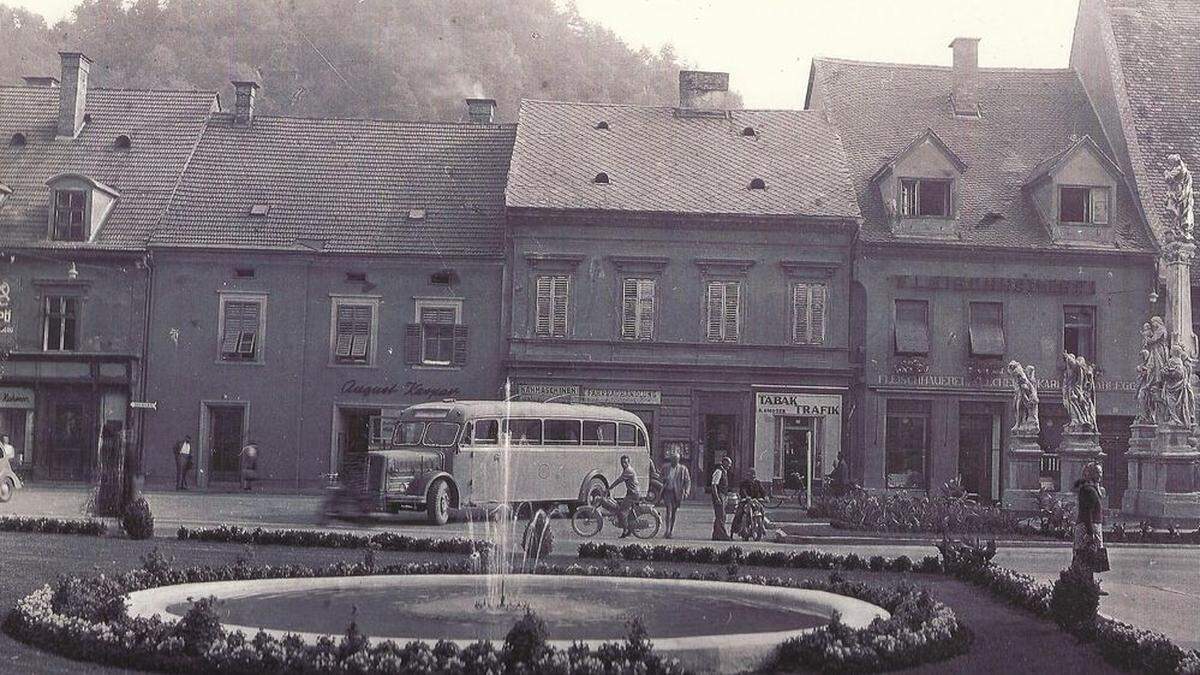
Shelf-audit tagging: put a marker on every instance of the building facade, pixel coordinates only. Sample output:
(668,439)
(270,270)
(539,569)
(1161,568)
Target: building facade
(702,285)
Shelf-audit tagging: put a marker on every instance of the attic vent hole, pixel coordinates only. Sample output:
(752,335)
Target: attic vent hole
(260,210)
(601,179)
(758,184)
(749,131)
(602,125)
(121,142)
(443,278)
(244,272)
(17,140)
(356,277)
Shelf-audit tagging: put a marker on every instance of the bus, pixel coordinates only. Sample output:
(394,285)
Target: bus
(450,454)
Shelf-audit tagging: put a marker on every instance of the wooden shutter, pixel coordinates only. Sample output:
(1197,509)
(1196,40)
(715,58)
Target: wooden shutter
(560,296)
(714,304)
(629,307)
(800,313)
(732,319)
(817,293)
(412,344)
(543,306)
(1099,197)
(232,328)
(460,345)
(645,301)
(360,344)
(240,330)
(344,331)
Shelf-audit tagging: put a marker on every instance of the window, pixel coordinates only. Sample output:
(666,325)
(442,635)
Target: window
(722,311)
(487,432)
(912,327)
(986,328)
(61,327)
(758,184)
(524,432)
(637,309)
(354,326)
(562,432)
(924,197)
(1079,331)
(70,210)
(599,433)
(437,338)
(907,443)
(241,329)
(808,313)
(601,179)
(553,292)
(627,434)
(1083,205)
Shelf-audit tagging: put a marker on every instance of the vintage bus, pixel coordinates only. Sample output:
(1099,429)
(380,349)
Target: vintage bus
(452,454)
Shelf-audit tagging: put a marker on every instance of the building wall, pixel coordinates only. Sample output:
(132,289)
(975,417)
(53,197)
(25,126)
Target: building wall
(293,396)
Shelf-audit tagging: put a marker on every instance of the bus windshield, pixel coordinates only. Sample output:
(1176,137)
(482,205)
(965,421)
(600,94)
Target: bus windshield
(438,434)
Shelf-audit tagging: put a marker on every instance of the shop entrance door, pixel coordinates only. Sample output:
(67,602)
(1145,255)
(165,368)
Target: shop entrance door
(719,434)
(979,451)
(226,424)
(71,452)
(797,452)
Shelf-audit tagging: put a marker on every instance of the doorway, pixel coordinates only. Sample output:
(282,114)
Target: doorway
(797,452)
(719,434)
(979,450)
(71,451)
(225,435)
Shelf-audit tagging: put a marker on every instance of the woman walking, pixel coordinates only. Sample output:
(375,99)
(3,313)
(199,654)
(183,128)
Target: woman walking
(1089,555)
(677,486)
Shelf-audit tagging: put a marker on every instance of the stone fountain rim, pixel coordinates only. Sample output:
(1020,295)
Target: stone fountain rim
(854,613)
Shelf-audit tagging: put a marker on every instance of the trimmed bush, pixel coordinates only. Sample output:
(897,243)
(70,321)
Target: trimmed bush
(538,539)
(88,527)
(805,559)
(137,521)
(526,640)
(1075,600)
(384,541)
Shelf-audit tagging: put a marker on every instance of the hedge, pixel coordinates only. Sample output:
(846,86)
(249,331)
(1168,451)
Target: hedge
(88,527)
(385,541)
(805,559)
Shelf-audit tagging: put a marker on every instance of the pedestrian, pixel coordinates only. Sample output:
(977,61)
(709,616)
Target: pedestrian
(183,462)
(1088,553)
(249,465)
(7,451)
(720,486)
(677,486)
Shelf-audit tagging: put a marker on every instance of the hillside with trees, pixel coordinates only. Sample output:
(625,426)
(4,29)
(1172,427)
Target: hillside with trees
(415,59)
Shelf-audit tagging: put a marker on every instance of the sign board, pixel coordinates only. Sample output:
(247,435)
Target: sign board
(621,396)
(770,406)
(16,397)
(557,393)
(8,320)
(144,405)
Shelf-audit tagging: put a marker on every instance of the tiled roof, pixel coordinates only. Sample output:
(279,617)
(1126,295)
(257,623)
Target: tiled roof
(344,186)
(163,127)
(658,161)
(1158,50)
(1029,117)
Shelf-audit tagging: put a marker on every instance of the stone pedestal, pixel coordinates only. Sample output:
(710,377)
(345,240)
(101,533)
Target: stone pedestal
(1165,479)
(1023,480)
(1076,450)
(1141,438)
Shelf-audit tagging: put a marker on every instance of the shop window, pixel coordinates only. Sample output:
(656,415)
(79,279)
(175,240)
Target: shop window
(599,433)
(912,327)
(637,309)
(61,323)
(353,332)
(1083,205)
(487,432)
(553,293)
(524,432)
(924,198)
(1079,331)
(907,444)
(241,328)
(70,214)
(723,311)
(808,313)
(986,328)
(561,432)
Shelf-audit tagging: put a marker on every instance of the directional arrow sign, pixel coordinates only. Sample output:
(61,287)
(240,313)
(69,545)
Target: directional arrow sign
(144,405)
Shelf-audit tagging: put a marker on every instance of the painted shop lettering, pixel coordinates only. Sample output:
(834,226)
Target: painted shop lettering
(800,408)
(1004,284)
(411,388)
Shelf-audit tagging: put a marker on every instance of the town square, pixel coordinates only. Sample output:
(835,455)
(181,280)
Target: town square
(644,336)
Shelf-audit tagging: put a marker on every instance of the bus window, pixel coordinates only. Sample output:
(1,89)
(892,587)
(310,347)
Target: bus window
(641,439)
(409,433)
(525,432)
(599,433)
(441,434)
(487,432)
(562,432)
(626,434)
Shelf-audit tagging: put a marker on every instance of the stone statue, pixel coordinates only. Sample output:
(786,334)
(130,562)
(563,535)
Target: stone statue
(1179,400)
(1079,393)
(1025,399)
(1179,199)
(1156,340)
(1147,390)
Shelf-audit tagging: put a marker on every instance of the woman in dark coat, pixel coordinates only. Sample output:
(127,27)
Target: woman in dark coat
(1089,525)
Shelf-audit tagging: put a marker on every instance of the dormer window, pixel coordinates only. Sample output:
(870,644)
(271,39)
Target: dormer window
(17,140)
(924,198)
(601,179)
(1083,205)
(70,215)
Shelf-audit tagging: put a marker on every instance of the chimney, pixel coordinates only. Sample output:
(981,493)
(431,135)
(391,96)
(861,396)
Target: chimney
(72,100)
(965,94)
(46,81)
(481,110)
(701,91)
(244,93)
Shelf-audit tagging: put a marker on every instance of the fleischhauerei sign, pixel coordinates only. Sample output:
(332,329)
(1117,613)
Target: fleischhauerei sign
(998,382)
(1007,284)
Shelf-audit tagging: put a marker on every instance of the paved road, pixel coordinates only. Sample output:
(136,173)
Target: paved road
(1153,586)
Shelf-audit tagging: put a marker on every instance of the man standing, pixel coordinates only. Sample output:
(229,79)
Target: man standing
(720,486)
(7,451)
(183,462)
(249,465)
(677,485)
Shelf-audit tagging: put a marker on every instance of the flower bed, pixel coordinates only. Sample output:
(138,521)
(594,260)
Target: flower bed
(385,541)
(88,527)
(734,555)
(86,619)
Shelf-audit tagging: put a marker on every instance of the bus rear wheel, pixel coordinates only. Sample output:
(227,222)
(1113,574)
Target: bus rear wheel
(437,510)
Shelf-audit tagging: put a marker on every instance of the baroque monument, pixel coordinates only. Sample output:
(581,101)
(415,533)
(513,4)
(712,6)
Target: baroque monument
(1024,462)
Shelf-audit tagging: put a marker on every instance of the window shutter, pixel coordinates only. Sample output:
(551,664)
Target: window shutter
(1099,197)
(460,345)
(360,344)
(543,308)
(629,306)
(645,301)
(560,297)
(800,308)
(344,331)
(817,302)
(412,344)
(232,328)
(732,311)
(714,304)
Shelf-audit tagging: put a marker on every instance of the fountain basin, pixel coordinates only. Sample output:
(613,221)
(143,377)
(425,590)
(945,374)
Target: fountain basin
(726,627)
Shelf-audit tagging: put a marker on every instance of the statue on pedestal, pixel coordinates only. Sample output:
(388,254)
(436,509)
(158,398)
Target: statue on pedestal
(1025,399)
(1079,393)
(1179,400)
(1179,199)
(1147,391)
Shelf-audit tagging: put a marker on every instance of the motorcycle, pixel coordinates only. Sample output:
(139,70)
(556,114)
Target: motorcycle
(588,520)
(750,520)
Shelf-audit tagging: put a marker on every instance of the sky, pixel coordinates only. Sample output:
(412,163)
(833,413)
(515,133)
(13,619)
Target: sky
(767,45)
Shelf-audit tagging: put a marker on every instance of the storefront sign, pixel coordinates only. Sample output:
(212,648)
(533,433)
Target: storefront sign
(771,408)
(8,324)
(410,389)
(561,393)
(16,397)
(963,382)
(798,405)
(622,396)
(1002,284)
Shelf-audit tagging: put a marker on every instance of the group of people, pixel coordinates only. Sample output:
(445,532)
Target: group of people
(247,464)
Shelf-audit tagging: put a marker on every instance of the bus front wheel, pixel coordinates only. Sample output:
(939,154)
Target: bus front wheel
(437,510)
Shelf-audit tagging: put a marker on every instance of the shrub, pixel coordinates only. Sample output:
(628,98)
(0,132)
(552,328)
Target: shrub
(137,521)
(386,541)
(1075,600)
(200,627)
(538,539)
(99,599)
(526,640)
(90,527)
(966,556)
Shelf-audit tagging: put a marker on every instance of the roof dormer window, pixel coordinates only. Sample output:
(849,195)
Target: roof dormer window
(70,215)
(1083,205)
(79,206)
(925,198)
(17,140)
(601,179)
